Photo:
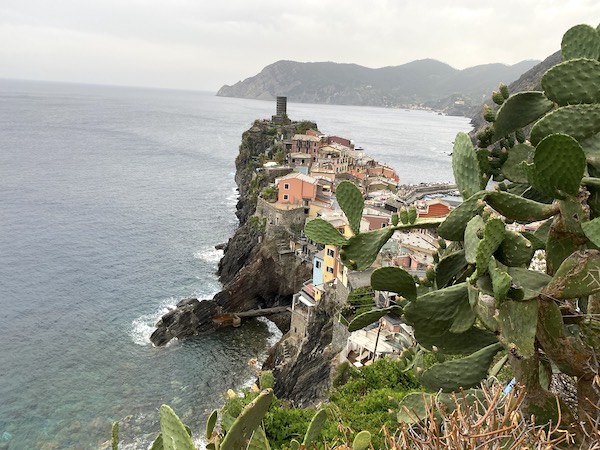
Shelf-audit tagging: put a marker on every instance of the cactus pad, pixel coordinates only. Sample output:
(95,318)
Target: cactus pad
(518,323)
(115,436)
(580,41)
(361,441)
(472,231)
(591,147)
(352,203)
(530,281)
(513,168)
(361,250)
(465,166)
(515,250)
(520,110)
(436,312)
(174,434)
(315,427)
(573,82)
(323,232)
(394,279)
(210,423)
(559,164)
(412,214)
(158,443)
(454,226)
(519,209)
(241,430)
(367,318)
(500,281)
(457,343)
(449,267)
(482,310)
(463,373)
(592,231)
(493,234)
(403,215)
(577,276)
(578,121)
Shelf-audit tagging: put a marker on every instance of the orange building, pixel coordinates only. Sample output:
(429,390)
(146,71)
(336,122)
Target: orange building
(296,189)
(432,208)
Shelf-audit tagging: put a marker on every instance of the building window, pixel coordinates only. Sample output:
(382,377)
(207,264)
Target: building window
(285,196)
(330,252)
(286,186)
(383,225)
(329,269)
(318,264)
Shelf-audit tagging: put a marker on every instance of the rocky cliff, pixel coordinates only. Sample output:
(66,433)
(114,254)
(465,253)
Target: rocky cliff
(254,271)
(303,367)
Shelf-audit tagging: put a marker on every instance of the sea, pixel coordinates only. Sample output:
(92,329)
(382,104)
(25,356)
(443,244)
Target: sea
(112,200)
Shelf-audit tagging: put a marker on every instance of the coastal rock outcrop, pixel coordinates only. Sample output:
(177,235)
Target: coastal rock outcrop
(256,270)
(267,278)
(309,361)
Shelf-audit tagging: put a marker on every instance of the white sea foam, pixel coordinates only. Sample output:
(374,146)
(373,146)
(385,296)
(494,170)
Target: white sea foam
(142,327)
(231,199)
(209,254)
(276,333)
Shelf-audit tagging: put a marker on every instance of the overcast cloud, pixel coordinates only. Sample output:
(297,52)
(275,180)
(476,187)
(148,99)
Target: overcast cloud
(196,44)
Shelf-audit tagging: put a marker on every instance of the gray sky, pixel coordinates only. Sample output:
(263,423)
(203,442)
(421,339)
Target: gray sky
(197,44)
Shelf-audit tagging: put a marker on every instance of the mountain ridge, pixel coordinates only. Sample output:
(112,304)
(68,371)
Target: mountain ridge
(425,83)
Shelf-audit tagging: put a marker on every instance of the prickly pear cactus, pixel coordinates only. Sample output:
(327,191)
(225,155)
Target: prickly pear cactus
(486,293)
(174,433)
(361,441)
(240,432)
(115,436)
(314,428)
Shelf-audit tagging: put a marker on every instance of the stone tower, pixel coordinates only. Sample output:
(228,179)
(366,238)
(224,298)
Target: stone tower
(281,110)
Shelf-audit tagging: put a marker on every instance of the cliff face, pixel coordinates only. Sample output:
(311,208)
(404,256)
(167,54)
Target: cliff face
(302,367)
(254,271)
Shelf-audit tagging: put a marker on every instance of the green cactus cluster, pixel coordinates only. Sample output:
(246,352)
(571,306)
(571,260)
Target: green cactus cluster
(543,148)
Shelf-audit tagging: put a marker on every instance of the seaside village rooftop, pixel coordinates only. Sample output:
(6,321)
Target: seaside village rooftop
(315,163)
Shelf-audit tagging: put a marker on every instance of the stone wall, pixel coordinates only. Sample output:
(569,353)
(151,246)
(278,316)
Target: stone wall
(292,219)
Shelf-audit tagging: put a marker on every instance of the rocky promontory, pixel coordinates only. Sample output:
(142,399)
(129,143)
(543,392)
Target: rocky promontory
(254,271)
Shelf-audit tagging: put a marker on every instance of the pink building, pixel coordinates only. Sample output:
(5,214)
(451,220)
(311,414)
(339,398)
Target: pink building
(296,189)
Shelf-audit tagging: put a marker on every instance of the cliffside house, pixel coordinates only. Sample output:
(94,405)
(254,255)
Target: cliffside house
(331,158)
(303,303)
(307,144)
(296,190)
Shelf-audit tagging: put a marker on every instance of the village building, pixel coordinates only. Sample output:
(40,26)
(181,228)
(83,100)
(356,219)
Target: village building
(434,208)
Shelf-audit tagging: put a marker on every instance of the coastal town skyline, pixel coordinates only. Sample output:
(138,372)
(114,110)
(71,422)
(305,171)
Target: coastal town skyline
(201,46)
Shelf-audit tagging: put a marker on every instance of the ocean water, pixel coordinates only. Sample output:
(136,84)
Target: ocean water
(111,202)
